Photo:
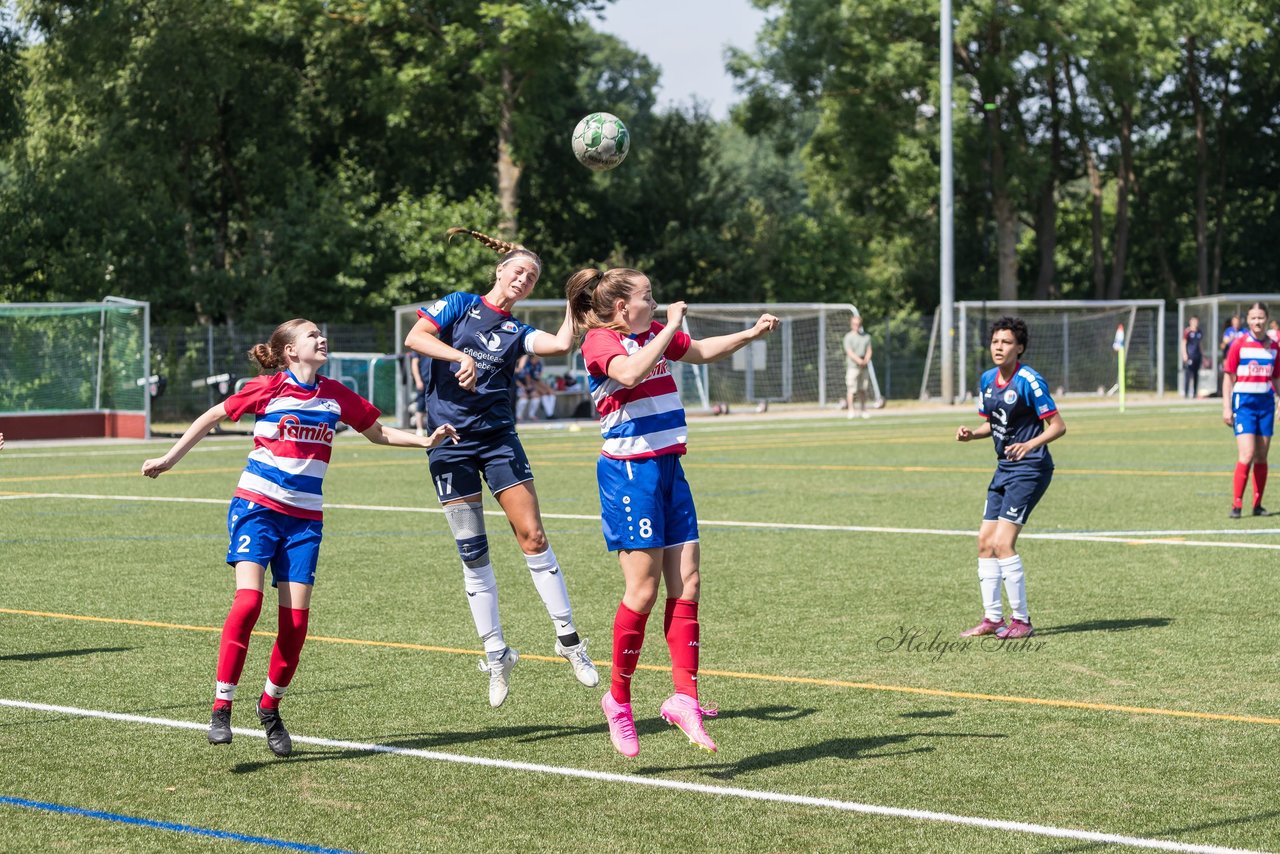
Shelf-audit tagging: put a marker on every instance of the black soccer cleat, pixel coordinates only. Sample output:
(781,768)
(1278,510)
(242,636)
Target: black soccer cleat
(277,736)
(220,726)
(1234,514)
(1259,510)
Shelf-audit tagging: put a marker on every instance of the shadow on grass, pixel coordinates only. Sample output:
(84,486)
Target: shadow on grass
(520,734)
(1172,833)
(63,653)
(1107,626)
(927,714)
(870,747)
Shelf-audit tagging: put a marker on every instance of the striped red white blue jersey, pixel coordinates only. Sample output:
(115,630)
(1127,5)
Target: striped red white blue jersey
(644,421)
(293,438)
(1253,363)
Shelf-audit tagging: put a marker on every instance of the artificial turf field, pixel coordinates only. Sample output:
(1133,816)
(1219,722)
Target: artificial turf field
(839,565)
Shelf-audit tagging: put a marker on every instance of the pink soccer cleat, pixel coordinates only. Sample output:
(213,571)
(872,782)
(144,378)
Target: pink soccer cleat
(622,726)
(1016,629)
(986,627)
(683,711)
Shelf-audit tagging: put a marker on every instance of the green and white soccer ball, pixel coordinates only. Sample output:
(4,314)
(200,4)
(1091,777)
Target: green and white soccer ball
(601,141)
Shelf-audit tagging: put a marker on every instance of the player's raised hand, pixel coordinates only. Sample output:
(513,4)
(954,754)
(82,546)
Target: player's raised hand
(676,312)
(467,373)
(963,434)
(766,324)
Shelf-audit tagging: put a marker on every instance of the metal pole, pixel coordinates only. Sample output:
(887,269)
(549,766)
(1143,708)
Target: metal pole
(822,358)
(947,288)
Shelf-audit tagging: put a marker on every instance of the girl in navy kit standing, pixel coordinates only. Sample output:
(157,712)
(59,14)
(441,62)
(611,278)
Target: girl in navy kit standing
(645,503)
(276,517)
(474,344)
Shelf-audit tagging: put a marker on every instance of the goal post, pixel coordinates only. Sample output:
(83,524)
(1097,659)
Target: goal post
(802,362)
(1070,344)
(74,370)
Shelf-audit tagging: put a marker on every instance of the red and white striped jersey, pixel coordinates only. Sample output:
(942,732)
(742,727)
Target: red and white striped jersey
(1253,362)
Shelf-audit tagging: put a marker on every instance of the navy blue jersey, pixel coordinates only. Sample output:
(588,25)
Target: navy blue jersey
(1016,412)
(492,337)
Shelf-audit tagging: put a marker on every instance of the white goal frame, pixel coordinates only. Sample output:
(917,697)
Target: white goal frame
(1214,304)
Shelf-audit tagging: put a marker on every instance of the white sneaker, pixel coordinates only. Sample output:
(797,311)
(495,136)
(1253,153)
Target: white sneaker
(583,667)
(499,675)
(850,415)
(866,414)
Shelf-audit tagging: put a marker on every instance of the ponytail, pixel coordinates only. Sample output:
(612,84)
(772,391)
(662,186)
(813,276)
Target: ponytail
(508,251)
(592,293)
(271,354)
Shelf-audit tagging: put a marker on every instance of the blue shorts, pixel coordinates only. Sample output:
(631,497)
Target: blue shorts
(289,545)
(1015,492)
(646,503)
(456,469)
(1253,418)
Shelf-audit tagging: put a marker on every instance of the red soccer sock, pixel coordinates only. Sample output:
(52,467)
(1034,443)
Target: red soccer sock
(1242,477)
(1259,482)
(628,638)
(682,641)
(236,630)
(284,655)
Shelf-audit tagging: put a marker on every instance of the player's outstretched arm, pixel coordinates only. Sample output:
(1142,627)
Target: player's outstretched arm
(631,369)
(424,339)
(716,348)
(197,431)
(380,435)
(546,344)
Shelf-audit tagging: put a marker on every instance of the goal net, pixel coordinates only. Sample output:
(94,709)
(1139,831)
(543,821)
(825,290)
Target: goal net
(1070,342)
(802,362)
(75,369)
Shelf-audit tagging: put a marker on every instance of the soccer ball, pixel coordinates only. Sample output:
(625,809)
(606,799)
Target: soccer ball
(601,141)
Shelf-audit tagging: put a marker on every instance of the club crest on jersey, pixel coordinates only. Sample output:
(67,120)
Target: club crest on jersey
(491,341)
(508,326)
(292,428)
(1010,396)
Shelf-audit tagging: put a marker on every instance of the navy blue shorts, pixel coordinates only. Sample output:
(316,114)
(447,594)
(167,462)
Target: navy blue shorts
(645,504)
(289,545)
(456,469)
(1014,493)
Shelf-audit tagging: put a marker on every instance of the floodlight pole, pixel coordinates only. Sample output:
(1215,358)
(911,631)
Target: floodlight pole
(947,287)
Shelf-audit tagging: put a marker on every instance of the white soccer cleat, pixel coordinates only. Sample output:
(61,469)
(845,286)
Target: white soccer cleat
(500,675)
(583,667)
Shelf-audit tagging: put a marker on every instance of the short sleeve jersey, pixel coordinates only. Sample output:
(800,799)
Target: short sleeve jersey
(293,438)
(1253,364)
(644,421)
(1193,339)
(858,343)
(1016,411)
(492,337)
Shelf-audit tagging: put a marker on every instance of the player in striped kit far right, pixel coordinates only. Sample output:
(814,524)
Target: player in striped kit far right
(1249,405)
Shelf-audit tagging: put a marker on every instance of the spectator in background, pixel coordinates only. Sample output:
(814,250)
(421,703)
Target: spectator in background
(857,376)
(419,369)
(1273,330)
(1232,331)
(1192,356)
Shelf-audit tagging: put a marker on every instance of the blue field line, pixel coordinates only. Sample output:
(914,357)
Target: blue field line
(165,825)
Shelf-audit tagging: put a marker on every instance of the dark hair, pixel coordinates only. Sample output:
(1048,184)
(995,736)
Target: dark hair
(592,294)
(508,251)
(271,355)
(1016,325)
(1261,305)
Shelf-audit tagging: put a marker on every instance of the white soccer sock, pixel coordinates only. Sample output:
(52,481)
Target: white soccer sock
(522,407)
(1015,586)
(549,404)
(224,691)
(271,689)
(482,597)
(549,582)
(989,581)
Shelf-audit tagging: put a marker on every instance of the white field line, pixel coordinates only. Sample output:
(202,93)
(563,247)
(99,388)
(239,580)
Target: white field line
(1133,538)
(660,783)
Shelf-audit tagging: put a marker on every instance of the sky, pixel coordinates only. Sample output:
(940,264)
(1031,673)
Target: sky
(686,39)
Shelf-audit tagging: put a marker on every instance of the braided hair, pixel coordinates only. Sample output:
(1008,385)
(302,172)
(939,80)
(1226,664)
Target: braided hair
(508,251)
